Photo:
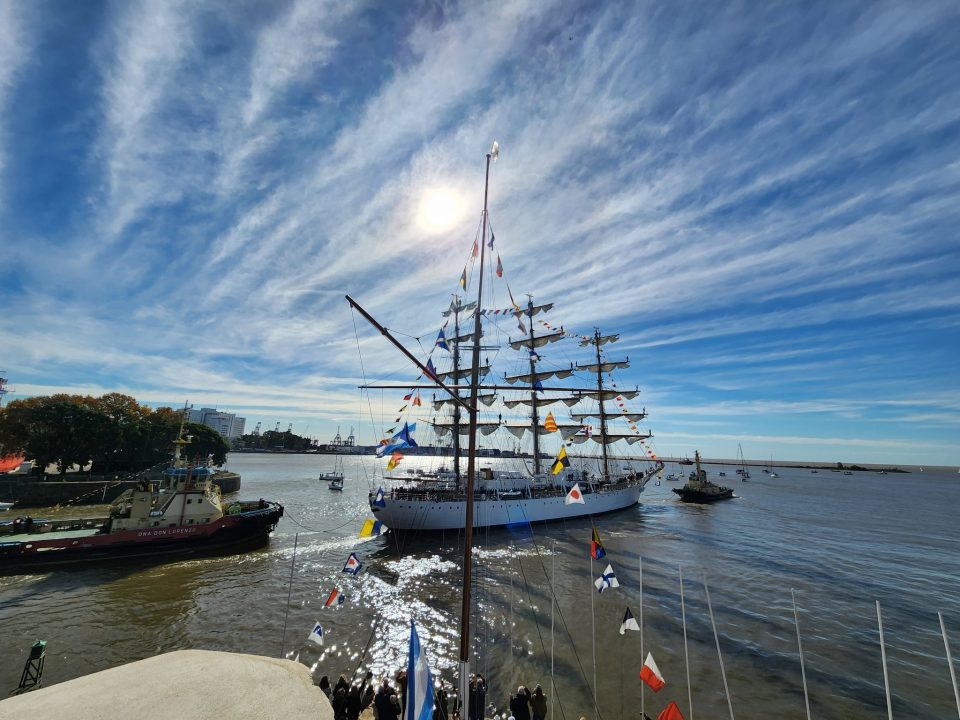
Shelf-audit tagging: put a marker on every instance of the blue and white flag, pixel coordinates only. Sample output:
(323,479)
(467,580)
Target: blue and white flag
(419,682)
(441,341)
(607,580)
(352,565)
(316,634)
(403,439)
(379,500)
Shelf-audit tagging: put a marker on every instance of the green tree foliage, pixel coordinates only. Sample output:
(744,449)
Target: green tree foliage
(113,432)
(273,440)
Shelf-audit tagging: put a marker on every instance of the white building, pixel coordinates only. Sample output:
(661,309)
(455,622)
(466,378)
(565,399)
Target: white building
(227,424)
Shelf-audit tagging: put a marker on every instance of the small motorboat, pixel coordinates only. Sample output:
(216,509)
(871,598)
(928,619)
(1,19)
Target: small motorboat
(334,478)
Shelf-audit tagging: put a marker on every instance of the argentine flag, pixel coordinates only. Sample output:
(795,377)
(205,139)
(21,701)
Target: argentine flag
(419,682)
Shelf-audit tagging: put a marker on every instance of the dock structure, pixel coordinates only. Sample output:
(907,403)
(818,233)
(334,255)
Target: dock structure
(181,685)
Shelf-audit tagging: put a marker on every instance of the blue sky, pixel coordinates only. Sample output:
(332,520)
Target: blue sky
(762,198)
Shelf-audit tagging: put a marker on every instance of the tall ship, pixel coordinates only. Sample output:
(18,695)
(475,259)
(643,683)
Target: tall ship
(181,515)
(508,373)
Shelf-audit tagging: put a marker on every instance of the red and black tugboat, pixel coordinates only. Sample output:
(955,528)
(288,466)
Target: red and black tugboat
(700,490)
(181,515)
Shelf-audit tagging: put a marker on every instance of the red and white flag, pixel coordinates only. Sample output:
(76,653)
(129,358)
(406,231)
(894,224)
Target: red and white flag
(650,674)
(574,496)
(670,712)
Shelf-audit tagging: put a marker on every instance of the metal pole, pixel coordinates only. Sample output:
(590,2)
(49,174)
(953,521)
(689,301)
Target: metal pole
(293,561)
(883,656)
(553,579)
(511,615)
(593,639)
(953,674)
(803,671)
(686,655)
(642,656)
(716,638)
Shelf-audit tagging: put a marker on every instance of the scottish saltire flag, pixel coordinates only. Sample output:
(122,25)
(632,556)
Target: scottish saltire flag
(378,499)
(419,682)
(372,528)
(316,634)
(607,580)
(629,623)
(442,341)
(353,564)
(336,598)
(596,547)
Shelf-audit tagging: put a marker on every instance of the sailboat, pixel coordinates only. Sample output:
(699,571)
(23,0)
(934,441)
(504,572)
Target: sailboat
(742,470)
(334,478)
(521,405)
(485,497)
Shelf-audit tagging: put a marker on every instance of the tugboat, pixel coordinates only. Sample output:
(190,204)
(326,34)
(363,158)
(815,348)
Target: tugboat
(700,490)
(180,516)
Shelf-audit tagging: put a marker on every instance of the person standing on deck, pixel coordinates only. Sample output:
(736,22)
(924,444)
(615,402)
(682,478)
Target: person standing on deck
(538,704)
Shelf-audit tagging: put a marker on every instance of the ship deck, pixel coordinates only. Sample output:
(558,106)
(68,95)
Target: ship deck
(52,535)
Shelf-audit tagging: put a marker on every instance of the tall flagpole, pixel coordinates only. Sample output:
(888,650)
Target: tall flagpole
(642,656)
(953,674)
(883,655)
(803,671)
(464,665)
(593,638)
(686,655)
(716,637)
(293,562)
(553,585)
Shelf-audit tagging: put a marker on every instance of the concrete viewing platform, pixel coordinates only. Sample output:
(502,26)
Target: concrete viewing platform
(181,685)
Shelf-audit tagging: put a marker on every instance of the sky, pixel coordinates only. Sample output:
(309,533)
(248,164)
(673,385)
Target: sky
(761,198)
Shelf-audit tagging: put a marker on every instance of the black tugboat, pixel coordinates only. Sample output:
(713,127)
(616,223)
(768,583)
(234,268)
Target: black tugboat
(700,490)
(183,516)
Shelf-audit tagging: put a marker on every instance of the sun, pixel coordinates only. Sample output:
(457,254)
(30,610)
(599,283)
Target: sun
(440,209)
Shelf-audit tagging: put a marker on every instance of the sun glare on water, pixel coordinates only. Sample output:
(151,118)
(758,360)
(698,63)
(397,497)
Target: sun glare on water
(440,209)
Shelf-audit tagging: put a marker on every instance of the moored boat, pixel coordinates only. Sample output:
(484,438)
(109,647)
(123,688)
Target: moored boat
(181,515)
(699,489)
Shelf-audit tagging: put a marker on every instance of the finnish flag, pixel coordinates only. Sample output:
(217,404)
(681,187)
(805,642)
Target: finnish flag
(607,580)
(419,681)
(316,634)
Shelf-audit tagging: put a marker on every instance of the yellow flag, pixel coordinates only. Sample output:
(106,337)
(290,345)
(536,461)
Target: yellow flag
(561,462)
(394,460)
(550,425)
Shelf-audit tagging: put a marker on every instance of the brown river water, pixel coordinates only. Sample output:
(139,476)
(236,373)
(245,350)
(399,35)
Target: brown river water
(841,542)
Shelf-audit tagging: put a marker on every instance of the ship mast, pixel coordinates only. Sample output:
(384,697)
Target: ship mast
(464,678)
(456,368)
(603,413)
(534,415)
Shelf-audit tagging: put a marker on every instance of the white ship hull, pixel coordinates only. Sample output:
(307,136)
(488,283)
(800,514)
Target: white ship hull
(415,514)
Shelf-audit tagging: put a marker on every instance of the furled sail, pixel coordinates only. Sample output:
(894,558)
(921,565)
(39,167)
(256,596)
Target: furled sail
(606,366)
(468,308)
(633,417)
(485,427)
(536,342)
(537,309)
(568,401)
(610,394)
(531,377)
(518,429)
(463,373)
(604,339)
(460,339)
(608,438)
(486,398)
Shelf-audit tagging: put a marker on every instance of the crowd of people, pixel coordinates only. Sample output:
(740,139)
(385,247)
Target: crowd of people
(388,699)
